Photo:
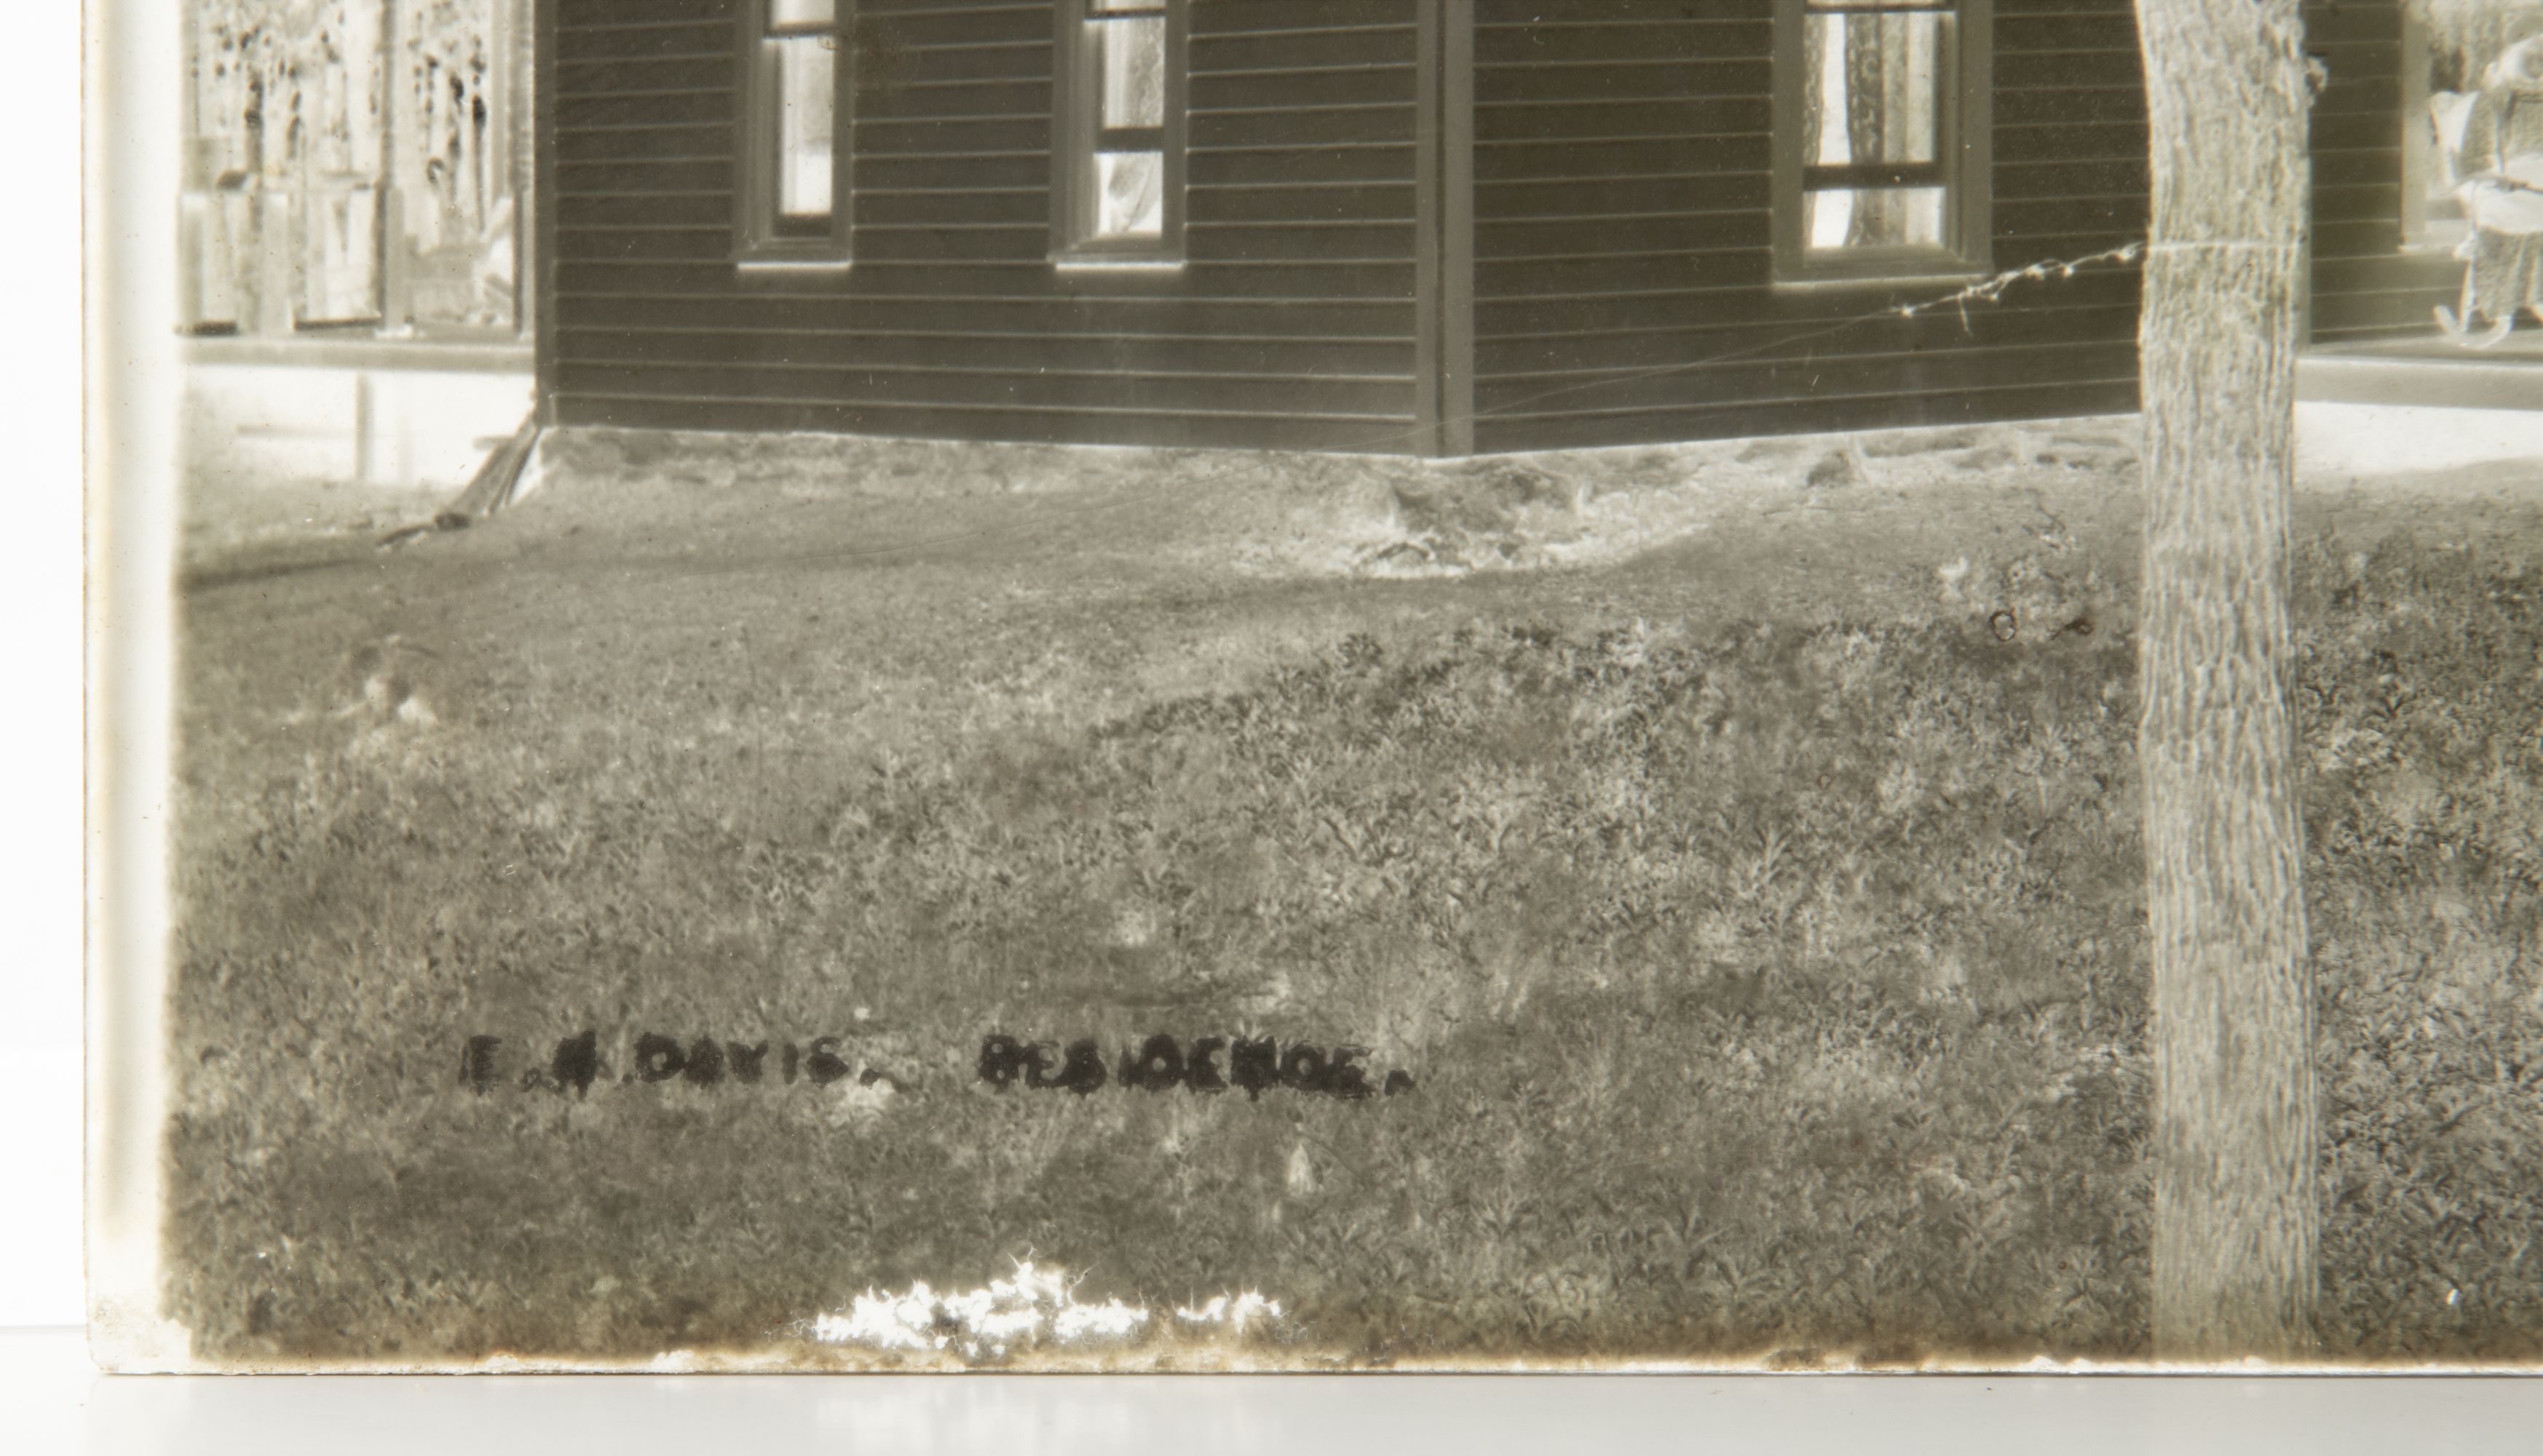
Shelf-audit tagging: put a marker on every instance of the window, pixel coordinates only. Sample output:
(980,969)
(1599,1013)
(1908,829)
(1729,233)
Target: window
(793,176)
(1880,138)
(1118,192)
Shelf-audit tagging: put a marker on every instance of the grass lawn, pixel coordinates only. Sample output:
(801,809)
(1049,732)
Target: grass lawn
(1734,848)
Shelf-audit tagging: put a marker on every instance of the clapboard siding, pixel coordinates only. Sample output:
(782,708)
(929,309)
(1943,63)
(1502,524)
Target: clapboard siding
(2365,284)
(1290,323)
(1624,287)
(1617,278)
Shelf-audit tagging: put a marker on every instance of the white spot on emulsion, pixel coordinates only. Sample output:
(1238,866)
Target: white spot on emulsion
(983,1323)
(1231,1315)
(1036,1308)
(1952,576)
(1301,1172)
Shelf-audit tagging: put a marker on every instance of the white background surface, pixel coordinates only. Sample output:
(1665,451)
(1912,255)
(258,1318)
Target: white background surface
(51,1400)
(40,677)
(52,1404)
(59,1409)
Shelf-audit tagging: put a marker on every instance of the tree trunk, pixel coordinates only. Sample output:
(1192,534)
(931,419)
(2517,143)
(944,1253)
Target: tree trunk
(2235,1211)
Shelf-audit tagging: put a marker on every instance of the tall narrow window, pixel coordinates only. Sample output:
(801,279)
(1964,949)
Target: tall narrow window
(792,174)
(1120,150)
(1881,137)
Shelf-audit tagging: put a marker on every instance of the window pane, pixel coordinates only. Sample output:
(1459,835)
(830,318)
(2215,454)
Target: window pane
(806,99)
(1874,217)
(1131,194)
(789,14)
(1133,56)
(1876,84)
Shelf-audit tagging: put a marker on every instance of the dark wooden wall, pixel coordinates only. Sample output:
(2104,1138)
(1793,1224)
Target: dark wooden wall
(2364,283)
(1292,323)
(1622,179)
(1620,287)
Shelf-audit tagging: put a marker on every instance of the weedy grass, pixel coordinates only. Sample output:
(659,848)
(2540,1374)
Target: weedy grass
(1764,944)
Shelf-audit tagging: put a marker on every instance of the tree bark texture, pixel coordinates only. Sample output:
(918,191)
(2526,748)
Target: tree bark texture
(2235,1138)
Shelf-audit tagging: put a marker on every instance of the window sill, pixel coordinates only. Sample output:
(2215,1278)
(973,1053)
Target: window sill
(1864,282)
(1927,271)
(781,265)
(1099,261)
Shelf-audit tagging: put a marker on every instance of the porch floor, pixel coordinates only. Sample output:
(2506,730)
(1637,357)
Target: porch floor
(2429,369)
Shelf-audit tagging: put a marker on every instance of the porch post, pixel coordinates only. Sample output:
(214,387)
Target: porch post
(397,272)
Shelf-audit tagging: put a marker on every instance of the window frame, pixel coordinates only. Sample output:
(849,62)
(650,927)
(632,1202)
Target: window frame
(762,233)
(1077,134)
(1963,167)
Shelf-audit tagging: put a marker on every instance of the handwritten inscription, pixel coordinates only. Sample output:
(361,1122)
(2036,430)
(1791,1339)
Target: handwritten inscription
(1161,1063)
(1252,1065)
(704,1061)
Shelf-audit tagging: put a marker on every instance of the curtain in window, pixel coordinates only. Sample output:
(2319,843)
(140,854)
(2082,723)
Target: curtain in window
(1876,77)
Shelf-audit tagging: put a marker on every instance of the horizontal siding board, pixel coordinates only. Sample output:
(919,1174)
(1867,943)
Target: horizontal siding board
(2064,141)
(1163,427)
(1292,203)
(990,97)
(1518,88)
(990,390)
(1225,46)
(2114,177)
(2119,217)
(2046,399)
(1544,160)
(825,304)
(1004,284)
(1859,375)
(2041,308)
(2331,21)
(704,107)
(1263,243)
(2111,32)
(2335,276)
(2027,74)
(2377,202)
(1581,352)
(1302,88)
(973,207)
(2118,99)
(580,18)
(590,49)
(1622,234)
(661,69)
(1597,121)
(631,145)
(921,173)
(1515,40)
(2378,97)
(1270,359)
(1296,166)
(708,207)
(1512,204)
(1381,126)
